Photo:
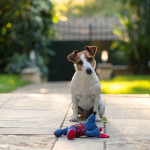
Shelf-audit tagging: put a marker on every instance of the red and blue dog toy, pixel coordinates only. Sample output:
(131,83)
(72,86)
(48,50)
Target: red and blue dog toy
(89,128)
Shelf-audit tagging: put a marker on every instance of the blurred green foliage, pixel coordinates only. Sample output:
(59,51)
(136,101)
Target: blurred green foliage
(96,8)
(10,82)
(86,8)
(25,25)
(129,84)
(135,36)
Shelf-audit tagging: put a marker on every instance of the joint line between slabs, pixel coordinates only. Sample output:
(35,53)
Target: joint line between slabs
(61,126)
(5,102)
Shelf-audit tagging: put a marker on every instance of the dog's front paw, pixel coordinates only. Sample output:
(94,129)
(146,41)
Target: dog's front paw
(98,119)
(73,119)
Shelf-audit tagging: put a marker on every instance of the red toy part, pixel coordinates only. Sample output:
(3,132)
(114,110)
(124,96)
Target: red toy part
(55,135)
(103,136)
(71,134)
(100,129)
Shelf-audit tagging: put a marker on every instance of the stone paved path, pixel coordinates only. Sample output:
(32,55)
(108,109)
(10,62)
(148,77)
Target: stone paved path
(29,116)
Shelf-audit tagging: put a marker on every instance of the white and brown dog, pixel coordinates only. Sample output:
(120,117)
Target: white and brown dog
(85,85)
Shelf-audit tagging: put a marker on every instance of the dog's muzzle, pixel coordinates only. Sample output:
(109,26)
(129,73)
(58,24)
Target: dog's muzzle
(88,71)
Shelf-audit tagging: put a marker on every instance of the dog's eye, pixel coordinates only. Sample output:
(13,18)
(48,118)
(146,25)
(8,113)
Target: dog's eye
(90,59)
(80,62)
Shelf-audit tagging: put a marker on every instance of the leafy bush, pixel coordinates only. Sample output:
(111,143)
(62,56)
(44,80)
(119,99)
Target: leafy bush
(18,62)
(24,26)
(135,36)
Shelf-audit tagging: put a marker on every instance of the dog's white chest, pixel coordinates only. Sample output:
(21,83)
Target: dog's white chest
(85,94)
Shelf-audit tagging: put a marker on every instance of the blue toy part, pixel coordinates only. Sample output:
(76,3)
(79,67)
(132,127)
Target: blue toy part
(90,124)
(93,133)
(61,132)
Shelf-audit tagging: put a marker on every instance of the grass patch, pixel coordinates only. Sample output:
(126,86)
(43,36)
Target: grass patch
(132,84)
(10,82)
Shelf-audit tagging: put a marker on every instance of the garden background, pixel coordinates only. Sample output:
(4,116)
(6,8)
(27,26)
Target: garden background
(28,26)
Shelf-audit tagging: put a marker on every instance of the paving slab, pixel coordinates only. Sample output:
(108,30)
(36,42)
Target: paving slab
(45,88)
(3,99)
(24,114)
(26,142)
(27,121)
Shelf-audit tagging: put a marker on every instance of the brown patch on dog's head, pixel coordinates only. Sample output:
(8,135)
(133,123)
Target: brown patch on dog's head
(78,61)
(72,56)
(91,49)
(90,58)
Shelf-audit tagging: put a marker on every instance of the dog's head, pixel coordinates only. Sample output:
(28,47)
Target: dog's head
(84,61)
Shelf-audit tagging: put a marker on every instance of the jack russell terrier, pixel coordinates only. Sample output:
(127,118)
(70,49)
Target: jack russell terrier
(85,85)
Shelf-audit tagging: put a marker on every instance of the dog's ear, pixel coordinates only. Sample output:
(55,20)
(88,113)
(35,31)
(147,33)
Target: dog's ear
(91,49)
(72,56)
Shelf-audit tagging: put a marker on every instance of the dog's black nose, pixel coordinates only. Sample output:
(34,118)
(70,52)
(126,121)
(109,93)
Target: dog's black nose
(88,71)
